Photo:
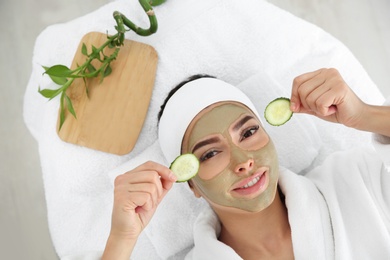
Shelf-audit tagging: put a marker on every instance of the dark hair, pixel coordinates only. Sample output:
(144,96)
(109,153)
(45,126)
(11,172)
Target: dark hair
(176,88)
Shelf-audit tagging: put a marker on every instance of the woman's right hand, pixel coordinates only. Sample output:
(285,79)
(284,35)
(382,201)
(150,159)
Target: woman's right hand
(137,194)
(325,94)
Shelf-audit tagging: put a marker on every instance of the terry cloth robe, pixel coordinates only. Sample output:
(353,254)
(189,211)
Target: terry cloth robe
(340,210)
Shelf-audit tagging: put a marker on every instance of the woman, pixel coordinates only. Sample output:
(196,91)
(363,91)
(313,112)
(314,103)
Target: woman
(260,211)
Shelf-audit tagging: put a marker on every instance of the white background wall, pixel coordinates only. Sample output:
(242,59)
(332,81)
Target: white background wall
(363,25)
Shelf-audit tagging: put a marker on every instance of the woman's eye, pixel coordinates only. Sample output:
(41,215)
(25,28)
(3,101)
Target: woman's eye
(208,155)
(249,132)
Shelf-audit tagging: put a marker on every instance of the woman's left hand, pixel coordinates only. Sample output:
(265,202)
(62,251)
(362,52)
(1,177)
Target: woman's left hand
(325,94)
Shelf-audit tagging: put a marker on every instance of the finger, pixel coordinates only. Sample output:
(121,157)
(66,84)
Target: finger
(155,191)
(162,170)
(167,185)
(326,104)
(307,87)
(139,199)
(313,87)
(143,177)
(312,98)
(125,201)
(298,81)
(167,176)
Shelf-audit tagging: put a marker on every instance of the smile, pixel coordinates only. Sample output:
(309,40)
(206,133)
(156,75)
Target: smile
(251,183)
(252,186)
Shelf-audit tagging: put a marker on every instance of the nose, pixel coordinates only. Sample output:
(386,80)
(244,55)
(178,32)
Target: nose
(244,167)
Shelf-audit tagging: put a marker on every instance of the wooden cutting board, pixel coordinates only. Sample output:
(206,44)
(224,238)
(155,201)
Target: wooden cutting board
(111,119)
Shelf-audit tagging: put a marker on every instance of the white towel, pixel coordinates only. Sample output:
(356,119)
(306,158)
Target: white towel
(262,46)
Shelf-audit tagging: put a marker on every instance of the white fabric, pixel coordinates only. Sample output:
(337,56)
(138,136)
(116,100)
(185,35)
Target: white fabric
(186,103)
(308,217)
(262,46)
(340,210)
(379,140)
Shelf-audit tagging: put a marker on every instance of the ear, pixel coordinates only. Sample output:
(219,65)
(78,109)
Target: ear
(194,189)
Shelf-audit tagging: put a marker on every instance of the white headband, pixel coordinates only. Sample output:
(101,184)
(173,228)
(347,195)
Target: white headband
(186,103)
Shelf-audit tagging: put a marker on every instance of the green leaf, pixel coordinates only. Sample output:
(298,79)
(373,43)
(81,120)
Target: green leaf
(70,106)
(94,50)
(62,112)
(101,76)
(57,80)
(111,44)
(98,57)
(75,76)
(62,118)
(91,68)
(107,70)
(49,93)
(114,54)
(87,91)
(59,71)
(86,87)
(84,49)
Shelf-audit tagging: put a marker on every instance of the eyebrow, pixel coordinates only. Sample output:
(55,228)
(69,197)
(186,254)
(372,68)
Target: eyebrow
(240,123)
(205,142)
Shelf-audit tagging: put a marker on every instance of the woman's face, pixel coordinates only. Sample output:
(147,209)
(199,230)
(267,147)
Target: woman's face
(238,161)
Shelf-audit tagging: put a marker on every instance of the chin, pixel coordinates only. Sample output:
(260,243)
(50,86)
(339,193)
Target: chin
(263,203)
(255,205)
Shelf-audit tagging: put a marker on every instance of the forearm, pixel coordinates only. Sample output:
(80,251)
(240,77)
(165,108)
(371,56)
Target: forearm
(118,248)
(375,119)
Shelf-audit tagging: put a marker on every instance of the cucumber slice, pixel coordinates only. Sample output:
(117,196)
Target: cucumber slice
(185,167)
(278,111)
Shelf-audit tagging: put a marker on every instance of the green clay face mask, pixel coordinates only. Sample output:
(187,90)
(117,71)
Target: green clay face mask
(239,166)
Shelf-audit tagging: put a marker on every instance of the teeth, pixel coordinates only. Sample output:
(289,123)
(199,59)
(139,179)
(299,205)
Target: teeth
(252,182)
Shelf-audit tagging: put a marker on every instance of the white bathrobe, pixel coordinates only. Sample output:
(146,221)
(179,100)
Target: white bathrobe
(340,210)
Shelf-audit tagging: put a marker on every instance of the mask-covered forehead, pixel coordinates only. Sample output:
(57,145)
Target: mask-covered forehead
(216,120)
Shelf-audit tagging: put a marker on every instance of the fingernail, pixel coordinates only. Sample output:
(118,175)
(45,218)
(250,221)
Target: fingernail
(293,106)
(172,176)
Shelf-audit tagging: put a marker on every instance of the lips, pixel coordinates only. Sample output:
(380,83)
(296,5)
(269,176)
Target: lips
(252,185)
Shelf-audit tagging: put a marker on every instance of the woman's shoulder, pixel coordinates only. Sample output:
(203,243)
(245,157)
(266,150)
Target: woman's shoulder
(347,166)
(358,174)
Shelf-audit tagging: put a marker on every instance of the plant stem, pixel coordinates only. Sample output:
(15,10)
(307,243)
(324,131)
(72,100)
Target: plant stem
(92,57)
(123,20)
(113,41)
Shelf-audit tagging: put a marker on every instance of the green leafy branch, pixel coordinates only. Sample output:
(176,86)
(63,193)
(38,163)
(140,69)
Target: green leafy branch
(64,76)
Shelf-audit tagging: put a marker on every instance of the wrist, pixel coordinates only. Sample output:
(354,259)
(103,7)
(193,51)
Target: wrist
(119,247)
(375,119)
